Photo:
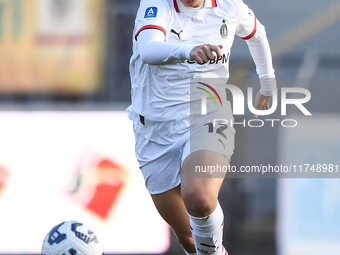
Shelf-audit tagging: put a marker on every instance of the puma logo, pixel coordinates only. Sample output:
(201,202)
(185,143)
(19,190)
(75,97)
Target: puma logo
(178,34)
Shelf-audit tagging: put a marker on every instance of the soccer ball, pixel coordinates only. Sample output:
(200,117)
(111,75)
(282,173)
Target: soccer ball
(72,238)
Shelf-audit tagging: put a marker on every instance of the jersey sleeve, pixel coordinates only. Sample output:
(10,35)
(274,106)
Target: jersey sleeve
(154,51)
(248,26)
(152,15)
(152,20)
(251,30)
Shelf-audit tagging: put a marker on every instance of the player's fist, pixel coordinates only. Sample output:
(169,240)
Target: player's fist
(203,53)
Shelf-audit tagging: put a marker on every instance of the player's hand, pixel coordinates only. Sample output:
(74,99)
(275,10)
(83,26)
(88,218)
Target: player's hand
(203,53)
(261,103)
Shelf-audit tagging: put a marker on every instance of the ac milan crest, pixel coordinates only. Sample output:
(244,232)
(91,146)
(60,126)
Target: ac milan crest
(224,30)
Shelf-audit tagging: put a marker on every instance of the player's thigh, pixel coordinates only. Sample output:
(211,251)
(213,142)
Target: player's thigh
(200,190)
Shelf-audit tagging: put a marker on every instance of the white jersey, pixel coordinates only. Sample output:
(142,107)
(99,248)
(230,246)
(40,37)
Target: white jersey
(161,93)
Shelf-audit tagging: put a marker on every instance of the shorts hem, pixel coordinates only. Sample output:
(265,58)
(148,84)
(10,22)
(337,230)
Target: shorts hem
(164,190)
(227,156)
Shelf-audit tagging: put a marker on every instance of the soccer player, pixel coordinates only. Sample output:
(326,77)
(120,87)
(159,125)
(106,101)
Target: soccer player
(175,41)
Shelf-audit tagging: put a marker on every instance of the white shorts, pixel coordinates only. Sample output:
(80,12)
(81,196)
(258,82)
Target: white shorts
(161,164)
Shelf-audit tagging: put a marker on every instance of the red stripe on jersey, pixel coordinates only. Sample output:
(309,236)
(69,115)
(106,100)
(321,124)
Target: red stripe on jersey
(149,27)
(214,3)
(252,33)
(176,6)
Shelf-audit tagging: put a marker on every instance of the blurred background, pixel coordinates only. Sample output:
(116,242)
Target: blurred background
(66,142)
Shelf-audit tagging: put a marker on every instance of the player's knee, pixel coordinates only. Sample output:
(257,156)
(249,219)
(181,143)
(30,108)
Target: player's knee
(199,204)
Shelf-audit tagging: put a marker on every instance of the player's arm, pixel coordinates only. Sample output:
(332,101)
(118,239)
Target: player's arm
(155,51)
(253,32)
(261,54)
(150,35)
(151,30)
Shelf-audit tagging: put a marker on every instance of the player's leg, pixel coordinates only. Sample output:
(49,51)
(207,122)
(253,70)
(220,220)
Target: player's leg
(171,207)
(200,197)
(161,168)
(200,190)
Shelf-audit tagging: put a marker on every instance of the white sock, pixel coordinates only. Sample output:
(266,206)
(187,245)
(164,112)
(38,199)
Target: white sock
(207,232)
(187,253)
